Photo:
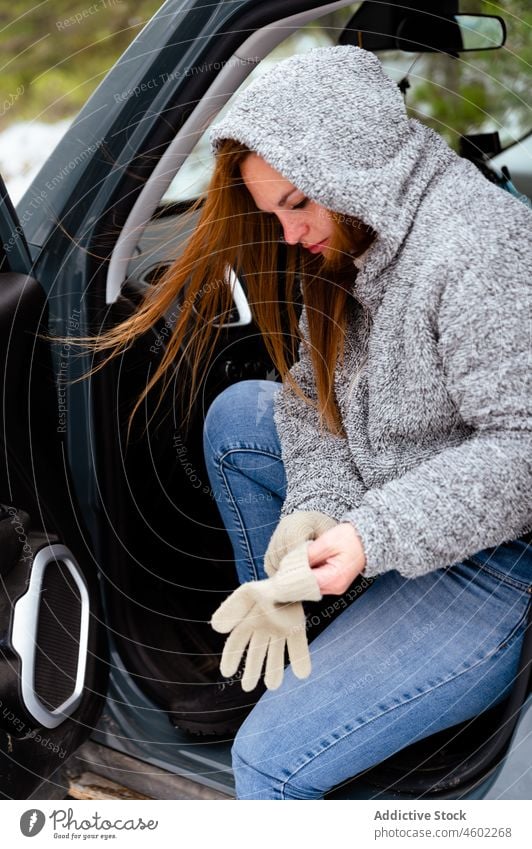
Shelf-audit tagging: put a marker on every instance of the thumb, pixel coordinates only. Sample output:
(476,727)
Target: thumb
(320,549)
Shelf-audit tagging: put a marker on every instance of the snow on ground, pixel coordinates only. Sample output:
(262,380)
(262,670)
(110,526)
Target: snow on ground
(23,149)
(24,146)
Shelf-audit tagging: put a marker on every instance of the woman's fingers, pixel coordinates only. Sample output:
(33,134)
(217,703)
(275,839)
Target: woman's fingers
(233,610)
(298,653)
(273,676)
(340,543)
(336,541)
(234,648)
(337,557)
(258,646)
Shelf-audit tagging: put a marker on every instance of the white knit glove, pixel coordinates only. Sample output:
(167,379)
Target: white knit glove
(264,617)
(301,526)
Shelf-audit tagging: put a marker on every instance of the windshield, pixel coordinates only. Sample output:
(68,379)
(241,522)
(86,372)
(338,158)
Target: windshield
(55,54)
(478,92)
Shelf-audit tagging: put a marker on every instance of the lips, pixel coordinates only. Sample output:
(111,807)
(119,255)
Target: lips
(315,248)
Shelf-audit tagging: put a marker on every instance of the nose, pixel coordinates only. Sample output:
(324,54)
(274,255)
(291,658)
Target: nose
(293,228)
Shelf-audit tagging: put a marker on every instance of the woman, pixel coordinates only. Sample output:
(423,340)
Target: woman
(398,446)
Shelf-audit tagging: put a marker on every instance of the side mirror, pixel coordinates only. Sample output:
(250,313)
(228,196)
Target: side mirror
(455,34)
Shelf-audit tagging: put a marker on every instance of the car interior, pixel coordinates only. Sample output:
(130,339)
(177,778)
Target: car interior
(172,559)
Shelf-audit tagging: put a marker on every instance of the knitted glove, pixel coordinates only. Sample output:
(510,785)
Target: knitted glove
(297,527)
(264,616)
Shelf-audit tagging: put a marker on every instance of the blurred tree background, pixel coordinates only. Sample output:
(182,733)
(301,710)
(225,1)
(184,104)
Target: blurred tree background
(56,52)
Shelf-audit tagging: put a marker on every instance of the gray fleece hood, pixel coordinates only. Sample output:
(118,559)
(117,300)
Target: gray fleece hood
(335,125)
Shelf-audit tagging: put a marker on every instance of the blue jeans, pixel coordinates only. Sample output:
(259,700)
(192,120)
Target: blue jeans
(409,658)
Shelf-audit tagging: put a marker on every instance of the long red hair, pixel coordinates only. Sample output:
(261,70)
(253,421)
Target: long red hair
(232,233)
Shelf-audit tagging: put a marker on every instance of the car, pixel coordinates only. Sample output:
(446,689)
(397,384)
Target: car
(113,554)
(517,158)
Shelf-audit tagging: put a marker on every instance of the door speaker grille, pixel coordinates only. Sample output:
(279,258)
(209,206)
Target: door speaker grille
(58,636)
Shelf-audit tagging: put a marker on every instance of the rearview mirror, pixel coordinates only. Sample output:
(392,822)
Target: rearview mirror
(456,34)
(383,26)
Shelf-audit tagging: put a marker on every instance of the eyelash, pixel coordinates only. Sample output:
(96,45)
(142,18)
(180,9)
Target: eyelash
(299,205)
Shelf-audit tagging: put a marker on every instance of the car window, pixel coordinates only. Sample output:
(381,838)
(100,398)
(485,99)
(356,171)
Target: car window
(194,175)
(480,91)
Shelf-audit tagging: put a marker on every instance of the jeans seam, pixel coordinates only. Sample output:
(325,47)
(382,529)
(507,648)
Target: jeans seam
(243,533)
(333,743)
(247,446)
(509,580)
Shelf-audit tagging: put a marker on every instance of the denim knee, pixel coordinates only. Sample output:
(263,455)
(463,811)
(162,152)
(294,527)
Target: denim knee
(251,783)
(219,414)
(259,775)
(238,414)
(255,776)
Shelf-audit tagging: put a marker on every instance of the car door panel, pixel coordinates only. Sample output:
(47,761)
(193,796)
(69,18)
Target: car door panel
(53,667)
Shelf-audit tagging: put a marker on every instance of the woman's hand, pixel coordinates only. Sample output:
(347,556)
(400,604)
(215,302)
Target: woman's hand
(337,557)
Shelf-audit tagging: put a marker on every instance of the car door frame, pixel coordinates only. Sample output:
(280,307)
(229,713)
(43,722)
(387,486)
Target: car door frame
(53,671)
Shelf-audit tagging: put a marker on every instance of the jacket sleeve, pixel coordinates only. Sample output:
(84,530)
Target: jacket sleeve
(475,494)
(320,472)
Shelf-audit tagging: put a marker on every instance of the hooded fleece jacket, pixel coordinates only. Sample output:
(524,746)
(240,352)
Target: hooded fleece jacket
(434,390)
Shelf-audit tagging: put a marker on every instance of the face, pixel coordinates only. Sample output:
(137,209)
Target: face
(303,221)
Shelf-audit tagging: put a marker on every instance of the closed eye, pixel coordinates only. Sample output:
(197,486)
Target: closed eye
(299,205)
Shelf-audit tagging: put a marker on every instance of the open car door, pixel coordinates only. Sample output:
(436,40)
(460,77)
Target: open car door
(53,667)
